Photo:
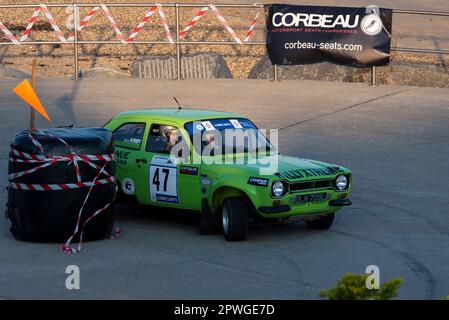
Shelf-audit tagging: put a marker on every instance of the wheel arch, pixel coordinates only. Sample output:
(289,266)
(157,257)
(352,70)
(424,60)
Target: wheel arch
(224,192)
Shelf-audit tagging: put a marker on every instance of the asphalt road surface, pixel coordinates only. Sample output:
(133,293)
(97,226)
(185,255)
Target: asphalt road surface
(395,139)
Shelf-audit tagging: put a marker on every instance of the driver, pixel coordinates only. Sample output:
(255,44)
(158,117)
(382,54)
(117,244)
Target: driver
(170,135)
(210,139)
(211,143)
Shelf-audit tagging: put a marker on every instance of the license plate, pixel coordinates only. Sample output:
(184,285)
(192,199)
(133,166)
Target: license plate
(309,198)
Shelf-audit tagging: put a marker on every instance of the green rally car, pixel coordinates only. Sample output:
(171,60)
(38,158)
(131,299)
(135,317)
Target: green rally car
(221,165)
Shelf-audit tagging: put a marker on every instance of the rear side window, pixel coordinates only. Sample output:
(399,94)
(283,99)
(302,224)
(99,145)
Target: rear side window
(129,135)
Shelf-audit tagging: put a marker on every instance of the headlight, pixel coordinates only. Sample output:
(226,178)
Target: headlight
(341,182)
(278,189)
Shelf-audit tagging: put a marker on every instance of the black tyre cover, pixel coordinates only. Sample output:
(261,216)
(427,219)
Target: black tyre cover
(52,215)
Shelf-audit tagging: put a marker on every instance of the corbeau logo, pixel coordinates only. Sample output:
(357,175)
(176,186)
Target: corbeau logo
(371,25)
(315,20)
(258,181)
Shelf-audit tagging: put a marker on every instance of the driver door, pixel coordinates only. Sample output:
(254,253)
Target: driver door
(168,181)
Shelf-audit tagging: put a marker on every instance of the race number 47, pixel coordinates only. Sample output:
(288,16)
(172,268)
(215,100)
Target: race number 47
(157,181)
(163,182)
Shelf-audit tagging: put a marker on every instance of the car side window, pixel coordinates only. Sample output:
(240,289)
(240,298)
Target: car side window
(162,138)
(129,135)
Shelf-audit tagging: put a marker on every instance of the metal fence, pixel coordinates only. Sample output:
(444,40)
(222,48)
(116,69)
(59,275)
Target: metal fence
(177,42)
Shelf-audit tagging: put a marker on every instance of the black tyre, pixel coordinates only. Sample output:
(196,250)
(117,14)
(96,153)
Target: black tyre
(234,215)
(323,223)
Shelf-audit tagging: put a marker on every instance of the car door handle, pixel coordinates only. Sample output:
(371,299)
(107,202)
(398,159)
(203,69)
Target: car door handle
(141,160)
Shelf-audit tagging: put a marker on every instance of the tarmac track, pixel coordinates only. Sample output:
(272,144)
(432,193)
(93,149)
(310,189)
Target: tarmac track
(395,139)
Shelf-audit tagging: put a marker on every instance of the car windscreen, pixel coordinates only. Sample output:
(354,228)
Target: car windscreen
(220,136)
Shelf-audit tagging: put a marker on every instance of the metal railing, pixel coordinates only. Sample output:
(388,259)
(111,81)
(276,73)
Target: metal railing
(177,42)
(422,13)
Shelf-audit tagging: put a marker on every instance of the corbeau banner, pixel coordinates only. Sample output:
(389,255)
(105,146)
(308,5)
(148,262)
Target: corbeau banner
(311,34)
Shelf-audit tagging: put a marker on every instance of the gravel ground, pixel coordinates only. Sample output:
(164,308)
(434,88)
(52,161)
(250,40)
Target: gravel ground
(57,60)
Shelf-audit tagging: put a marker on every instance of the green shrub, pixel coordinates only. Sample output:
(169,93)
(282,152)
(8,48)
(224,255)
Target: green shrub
(353,287)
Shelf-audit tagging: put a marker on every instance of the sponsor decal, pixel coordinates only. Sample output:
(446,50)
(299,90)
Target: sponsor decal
(219,124)
(235,123)
(135,140)
(289,19)
(205,181)
(188,170)
(262,182)
(121,157)
(371,25)
(166,198)
(298,34)
(128,186)
(208,125)
(306,173)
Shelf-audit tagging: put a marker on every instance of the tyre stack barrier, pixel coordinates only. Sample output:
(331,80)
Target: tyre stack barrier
(54,187)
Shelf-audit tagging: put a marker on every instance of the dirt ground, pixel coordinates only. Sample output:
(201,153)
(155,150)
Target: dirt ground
(58,60)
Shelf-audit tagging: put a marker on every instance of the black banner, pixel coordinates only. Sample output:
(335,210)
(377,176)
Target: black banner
(309,34)
(225,309)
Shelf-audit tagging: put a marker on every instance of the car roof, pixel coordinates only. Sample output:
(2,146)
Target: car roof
(179,115)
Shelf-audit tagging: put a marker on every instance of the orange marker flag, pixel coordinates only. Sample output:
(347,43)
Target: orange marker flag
(26,92)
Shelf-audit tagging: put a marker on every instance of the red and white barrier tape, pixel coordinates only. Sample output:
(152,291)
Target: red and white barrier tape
(142,23)
(225,24)
(50,20)
(58,187)
(8,34)
(66,248)
(195,19)
(117,30)
(30,25)
(23,157)
(30,158)
(164,23)
(250,32)
(204,9)
(84,22)
(116,233)
(53,24)
(114,25)
(73,158)
(35,141)
(23,173)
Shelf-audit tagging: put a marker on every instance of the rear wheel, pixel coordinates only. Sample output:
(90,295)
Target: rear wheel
(235,218)
(323,223)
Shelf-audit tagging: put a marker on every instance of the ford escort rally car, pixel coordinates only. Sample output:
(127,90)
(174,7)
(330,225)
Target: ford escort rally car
(194,159)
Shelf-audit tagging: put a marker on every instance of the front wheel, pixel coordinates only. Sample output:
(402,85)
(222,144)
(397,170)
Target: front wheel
(235,218)
(323,223)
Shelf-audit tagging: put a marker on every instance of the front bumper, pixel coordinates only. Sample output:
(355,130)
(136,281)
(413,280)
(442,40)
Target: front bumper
(340,203)
(279,209)
(286,208)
